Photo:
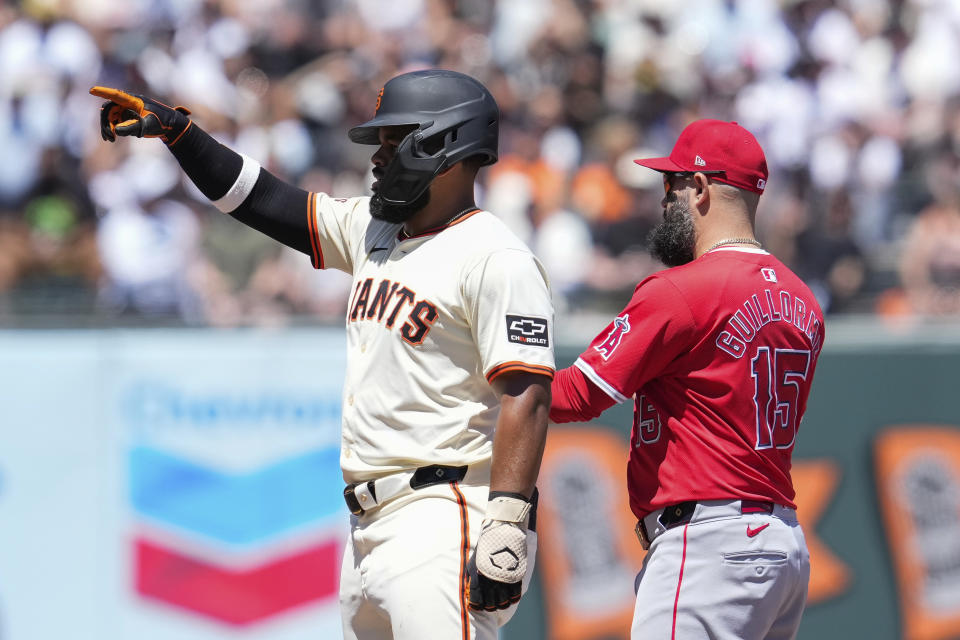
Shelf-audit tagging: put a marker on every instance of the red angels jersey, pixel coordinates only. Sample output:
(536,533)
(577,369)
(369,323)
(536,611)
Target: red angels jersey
(432,320)
(718,356)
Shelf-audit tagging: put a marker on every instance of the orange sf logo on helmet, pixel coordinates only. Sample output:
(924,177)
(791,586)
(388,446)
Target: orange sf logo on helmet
(379,98)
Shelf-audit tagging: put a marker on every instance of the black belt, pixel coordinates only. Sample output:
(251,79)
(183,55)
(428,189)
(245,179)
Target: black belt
(681,513)
(351,499)
(422,477)
(677,514)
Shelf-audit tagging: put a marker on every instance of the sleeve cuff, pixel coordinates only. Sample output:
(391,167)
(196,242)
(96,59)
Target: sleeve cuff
(602,384)
(507,367)
(316,251)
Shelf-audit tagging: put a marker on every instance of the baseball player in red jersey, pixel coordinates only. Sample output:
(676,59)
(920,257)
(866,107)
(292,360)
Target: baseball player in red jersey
(446,391)
(718,354)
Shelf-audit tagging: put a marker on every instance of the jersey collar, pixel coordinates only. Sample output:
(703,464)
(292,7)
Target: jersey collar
(756,250)
(401,236)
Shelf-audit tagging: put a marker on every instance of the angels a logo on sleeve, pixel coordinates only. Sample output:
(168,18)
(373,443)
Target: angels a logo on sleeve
(621,326)
(528,330)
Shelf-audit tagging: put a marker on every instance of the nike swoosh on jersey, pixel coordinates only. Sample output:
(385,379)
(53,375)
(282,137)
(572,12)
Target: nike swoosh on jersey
(752,532)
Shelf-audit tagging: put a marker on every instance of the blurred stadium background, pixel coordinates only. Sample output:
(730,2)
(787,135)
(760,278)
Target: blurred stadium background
(171,380)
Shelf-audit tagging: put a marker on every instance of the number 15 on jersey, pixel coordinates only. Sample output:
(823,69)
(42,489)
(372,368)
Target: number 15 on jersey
(777,376)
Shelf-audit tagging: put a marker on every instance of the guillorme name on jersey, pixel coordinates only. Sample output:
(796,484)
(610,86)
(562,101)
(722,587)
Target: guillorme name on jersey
(759,310)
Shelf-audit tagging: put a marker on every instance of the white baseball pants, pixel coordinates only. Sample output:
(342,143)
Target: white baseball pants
(404,568)
(724,576)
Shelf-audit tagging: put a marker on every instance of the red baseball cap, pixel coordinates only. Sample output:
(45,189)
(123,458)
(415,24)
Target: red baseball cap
(715,145)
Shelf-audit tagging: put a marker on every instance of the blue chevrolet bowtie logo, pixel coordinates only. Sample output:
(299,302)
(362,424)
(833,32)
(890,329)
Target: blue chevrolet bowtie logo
(236,508)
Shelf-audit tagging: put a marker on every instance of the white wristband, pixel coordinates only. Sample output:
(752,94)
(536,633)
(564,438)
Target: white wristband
(506,509)
(241,188)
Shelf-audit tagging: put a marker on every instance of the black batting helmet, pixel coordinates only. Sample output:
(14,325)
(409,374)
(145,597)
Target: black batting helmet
(456,118)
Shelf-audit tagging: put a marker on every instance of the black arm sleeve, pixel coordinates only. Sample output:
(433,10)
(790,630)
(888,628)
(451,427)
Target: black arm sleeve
(277,209)
(273,207)
(210,165)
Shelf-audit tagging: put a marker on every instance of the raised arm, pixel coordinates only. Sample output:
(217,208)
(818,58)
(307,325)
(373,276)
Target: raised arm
(235,184)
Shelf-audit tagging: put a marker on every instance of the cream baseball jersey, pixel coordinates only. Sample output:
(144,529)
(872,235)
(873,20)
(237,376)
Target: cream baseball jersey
(432,320)
(718,356)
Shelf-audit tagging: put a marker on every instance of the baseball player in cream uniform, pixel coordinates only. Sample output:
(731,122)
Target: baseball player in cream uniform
(432,320)
(449,337)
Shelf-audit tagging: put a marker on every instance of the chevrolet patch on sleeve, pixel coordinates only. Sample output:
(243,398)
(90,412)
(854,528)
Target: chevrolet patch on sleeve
(528,330)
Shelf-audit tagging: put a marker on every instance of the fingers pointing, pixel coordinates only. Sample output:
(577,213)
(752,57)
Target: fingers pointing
(125,114)
(120,97)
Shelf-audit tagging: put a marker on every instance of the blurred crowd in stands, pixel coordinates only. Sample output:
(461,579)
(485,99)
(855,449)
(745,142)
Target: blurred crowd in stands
(856,103)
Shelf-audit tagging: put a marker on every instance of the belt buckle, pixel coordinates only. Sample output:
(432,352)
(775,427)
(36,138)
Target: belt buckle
(350,498)
(641,531)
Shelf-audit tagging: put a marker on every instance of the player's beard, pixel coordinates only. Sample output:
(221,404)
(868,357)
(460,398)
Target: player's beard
(672,241)
(396,213)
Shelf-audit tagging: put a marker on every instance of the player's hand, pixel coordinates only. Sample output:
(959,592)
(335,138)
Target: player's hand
(500,559)
(126,114)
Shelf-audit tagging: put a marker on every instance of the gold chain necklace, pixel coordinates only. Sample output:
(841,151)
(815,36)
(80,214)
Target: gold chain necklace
(735,241)
(406,236)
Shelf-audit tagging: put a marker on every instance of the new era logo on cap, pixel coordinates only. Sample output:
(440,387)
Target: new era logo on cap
(724,147)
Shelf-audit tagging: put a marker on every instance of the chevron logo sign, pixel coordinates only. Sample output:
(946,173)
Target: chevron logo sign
(222,530)
(235,597)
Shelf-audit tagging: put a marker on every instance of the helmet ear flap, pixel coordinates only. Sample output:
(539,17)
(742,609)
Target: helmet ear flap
(435,144)
(411,171)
